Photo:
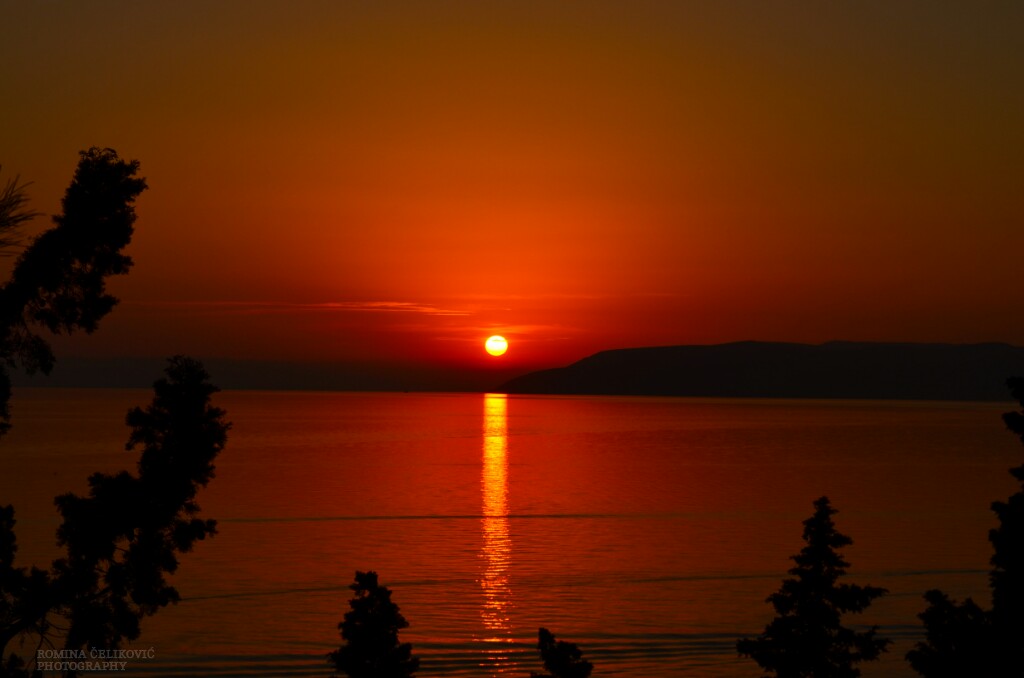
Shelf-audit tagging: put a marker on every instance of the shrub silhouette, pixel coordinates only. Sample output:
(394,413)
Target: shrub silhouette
(561,659)
(126,535)
(370,631)
(806,639)
(964,639)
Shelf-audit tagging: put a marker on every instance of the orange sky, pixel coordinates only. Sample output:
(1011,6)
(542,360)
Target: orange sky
(393,182)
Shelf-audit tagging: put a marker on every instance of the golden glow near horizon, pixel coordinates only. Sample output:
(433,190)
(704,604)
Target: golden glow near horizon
(497,547)
(496,345)
(393,177)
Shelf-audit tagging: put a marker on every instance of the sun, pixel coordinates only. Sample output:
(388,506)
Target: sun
(496,345)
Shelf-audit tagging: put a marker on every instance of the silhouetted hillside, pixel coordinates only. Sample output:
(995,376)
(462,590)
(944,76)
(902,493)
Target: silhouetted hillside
(778,370)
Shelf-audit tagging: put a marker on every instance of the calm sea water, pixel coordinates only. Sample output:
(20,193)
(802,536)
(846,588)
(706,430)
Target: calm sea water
(647,530)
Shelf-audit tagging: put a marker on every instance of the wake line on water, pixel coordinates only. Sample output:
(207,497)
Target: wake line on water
(466,516)
(775,575)
(465,581)
(585,581)
(919,573)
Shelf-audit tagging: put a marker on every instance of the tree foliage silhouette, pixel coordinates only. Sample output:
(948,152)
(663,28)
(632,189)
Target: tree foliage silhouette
(807,639)
(127,534)
(26,598)
(962,638)
(561,659)
(59,281)
(958,640)
(370,631)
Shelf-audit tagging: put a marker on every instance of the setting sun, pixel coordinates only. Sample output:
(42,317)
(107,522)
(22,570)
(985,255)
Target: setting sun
(496,345)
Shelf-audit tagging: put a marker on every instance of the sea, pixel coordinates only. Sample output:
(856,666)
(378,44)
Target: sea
(647,531)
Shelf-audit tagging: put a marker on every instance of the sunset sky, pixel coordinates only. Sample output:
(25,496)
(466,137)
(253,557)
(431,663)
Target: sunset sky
(389,183)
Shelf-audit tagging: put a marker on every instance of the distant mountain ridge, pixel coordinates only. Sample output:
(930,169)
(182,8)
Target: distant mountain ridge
(836,369)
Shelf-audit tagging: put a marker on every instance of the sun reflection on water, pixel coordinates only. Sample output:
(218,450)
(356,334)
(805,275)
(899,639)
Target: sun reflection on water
(496,553)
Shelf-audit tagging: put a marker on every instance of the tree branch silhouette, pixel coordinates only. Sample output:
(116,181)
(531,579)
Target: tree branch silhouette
(59,281)
(126,535)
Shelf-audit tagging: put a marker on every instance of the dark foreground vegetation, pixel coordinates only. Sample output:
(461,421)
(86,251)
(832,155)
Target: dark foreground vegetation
(807,637)
(965,639)
(58,284)
(124,538)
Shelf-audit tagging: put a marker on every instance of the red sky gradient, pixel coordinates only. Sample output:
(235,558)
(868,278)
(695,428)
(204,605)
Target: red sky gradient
(394,182)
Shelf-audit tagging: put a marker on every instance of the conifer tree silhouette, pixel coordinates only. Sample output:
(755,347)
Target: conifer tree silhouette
(370,631)
(807,639)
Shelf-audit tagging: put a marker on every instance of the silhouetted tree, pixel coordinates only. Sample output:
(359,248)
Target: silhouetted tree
(962,638)
(59,281)
(126,535)
(370,631)
(26,598)
(806,639)
(561,659)
(958,640)
(1007,576)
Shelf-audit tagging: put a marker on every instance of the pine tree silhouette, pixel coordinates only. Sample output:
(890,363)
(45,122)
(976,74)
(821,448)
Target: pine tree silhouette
(806,639)
(370,631)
